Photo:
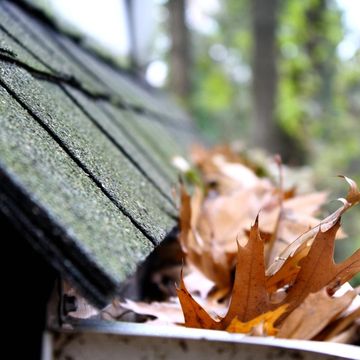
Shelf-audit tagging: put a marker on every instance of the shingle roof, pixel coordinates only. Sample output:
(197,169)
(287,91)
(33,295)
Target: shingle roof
(84,155)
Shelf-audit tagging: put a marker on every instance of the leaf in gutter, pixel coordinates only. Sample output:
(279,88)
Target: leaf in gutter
(318,268)
(314,314)
(352,199)
(249,297)
(194,314)
(288,272)
(341,325)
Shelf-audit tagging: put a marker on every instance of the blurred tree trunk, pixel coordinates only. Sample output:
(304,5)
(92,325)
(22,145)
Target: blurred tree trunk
(267,133)
(179,54)
(320,50)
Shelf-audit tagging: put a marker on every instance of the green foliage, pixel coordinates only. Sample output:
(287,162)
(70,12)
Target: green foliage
(221,99)
(308,34)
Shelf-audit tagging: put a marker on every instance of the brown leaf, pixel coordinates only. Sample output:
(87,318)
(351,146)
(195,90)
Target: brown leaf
(301,247)
(314,314)
(265,236)
(222,168)
(195,316)
(318,268)
(249,298)
(290,193)
(205,256)
(210,225)
(288,272)
(349,336)
(306,203)
(353,196)
(341,325)
(216,268)
(352,199)
(289,220)
(166,312)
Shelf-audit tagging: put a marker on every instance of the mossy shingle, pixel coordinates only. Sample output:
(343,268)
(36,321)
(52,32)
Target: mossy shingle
(90,146)
(85,154)
(62,56)
(131,141)
(121,85)
(41,43)
(128,120)
(12,50)
(97,229)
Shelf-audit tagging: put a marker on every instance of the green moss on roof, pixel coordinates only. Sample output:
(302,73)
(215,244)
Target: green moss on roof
(138,128)
(95,151)
(12,50)
(132,142)
(76,204)
(40,41)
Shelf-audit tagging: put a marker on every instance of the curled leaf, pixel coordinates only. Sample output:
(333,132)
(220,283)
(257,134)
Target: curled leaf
(288,272)
(318,268)
(352,198)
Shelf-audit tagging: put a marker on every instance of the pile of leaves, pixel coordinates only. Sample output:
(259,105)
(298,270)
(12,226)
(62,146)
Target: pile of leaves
(257,260)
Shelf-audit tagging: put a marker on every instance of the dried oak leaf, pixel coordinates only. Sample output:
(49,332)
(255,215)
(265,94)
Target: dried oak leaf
(207,256)
(165,312)
(249,297)
(210,224)
(314,314)
(303,242)
(288,272)
(318,268)
(353,196)
(194,314)
(341,325)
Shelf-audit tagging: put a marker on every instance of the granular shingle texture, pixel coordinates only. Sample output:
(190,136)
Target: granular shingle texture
(85,155)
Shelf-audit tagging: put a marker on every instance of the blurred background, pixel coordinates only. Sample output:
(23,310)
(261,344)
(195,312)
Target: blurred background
(280,75)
